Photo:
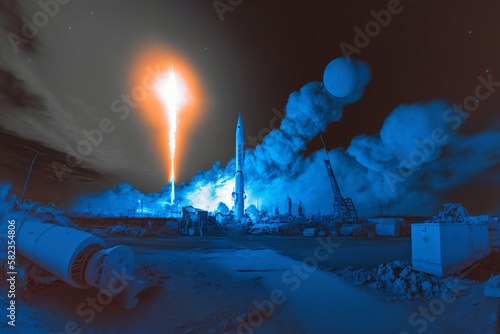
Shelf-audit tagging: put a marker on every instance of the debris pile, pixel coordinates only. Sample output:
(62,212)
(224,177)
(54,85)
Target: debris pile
(400,282)
(125,230)
(148,230)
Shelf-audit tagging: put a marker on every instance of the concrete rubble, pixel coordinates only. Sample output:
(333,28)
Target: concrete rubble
(400,282)
(125,230)
(122,228)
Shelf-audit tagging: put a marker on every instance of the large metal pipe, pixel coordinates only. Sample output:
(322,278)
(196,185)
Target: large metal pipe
(62,251)
(76,257)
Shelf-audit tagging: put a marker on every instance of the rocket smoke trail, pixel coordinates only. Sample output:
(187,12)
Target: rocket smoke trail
(169,94)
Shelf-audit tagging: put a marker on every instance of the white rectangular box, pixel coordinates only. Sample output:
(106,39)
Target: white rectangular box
(387,229)
(443,249)
(387,226)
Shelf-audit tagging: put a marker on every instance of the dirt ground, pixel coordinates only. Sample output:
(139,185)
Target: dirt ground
(233,285)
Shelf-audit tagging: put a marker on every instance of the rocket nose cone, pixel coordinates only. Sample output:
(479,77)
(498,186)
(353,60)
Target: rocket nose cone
(240,124)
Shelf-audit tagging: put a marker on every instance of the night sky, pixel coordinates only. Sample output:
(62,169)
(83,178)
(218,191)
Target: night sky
(66,77)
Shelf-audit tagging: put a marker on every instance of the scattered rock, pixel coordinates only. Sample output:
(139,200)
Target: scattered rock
(151,275)
(400,282)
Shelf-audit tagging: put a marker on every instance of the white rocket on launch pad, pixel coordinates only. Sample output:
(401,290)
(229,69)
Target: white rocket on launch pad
(239,192)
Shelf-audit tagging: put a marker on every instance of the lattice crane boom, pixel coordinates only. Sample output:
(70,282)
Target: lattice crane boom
(344,209)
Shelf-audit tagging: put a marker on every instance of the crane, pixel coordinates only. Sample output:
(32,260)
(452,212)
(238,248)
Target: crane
(343,208)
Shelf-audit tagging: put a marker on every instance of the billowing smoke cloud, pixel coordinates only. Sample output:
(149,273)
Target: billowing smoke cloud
(416,156)
(223,208)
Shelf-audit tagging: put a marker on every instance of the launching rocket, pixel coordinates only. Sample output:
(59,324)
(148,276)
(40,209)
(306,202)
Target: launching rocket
(239,193)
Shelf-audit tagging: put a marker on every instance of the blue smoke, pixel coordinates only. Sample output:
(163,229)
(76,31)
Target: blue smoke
(415,156)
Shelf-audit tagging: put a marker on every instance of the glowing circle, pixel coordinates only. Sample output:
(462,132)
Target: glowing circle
(340,77)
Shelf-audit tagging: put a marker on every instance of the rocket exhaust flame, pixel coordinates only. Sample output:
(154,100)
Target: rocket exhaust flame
(170,106)
(169,94)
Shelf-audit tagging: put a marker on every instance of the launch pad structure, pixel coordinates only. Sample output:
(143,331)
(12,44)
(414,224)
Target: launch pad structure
(343,208)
